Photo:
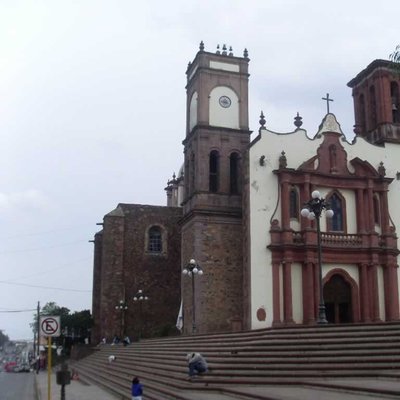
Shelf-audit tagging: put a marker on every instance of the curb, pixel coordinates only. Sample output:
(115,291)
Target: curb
(38,394)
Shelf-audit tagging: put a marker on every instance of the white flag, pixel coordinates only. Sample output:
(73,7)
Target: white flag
(179,320)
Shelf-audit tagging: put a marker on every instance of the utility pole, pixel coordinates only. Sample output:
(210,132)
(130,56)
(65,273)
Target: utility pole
(38,337)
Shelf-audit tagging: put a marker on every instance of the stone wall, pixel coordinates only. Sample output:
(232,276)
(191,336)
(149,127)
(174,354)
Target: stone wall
(128,266)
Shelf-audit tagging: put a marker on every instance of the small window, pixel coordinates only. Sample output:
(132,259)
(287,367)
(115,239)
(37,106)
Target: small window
(234,173)
(294,203)
(155,240)
(337,221)
(361,105)
(372,105)
(214,169)
(377,211)
(394,92)
(192,168)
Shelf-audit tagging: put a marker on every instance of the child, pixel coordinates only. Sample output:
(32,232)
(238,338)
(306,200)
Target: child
(137,389)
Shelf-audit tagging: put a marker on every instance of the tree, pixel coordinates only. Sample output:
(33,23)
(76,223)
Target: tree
(78,323)
(51,308)
(395,59)
(3,338)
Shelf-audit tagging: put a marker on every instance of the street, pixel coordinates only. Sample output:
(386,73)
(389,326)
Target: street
(16,386)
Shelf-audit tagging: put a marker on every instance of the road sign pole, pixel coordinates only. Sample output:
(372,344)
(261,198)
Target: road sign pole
(49,368)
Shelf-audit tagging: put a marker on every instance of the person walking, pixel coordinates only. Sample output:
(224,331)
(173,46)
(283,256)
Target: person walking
(197,364)
(137,389)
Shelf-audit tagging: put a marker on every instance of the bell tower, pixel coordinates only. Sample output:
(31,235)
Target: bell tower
(376,96)
(217,137)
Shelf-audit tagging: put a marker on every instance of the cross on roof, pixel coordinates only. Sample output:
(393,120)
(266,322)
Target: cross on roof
(327,102)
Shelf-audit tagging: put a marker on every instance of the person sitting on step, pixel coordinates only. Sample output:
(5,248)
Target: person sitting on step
(197,364)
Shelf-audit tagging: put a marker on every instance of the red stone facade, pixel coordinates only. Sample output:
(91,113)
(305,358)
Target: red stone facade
(376,95)
(212,226)
(123,264)
(366,248)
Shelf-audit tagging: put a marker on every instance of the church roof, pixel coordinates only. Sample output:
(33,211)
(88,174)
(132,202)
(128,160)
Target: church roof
(368,70)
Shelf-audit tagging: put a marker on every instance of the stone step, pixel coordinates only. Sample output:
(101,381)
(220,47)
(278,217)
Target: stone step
(266,357)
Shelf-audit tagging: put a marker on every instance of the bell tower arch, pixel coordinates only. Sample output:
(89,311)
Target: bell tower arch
(217,137)
(377,103)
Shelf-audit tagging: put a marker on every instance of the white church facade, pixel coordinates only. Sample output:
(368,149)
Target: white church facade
(235,208)
(359,246)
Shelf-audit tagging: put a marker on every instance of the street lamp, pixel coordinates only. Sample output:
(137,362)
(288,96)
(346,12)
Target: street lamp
(192,269)
(313,210)
(140,297)
(122,307)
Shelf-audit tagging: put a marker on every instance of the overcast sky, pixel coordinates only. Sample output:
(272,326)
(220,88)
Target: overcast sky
(92,112)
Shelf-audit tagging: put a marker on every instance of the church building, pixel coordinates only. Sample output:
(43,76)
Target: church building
(235,209)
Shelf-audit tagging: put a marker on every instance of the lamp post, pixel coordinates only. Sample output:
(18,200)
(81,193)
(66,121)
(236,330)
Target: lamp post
(122,307)
(140,297)
(192,269)
(313,210)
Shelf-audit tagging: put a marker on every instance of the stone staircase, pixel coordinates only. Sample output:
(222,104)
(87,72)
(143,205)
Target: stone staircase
(335,357)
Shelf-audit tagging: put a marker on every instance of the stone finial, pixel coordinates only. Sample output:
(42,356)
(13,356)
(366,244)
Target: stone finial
(230,51)
(173,180)
(282,160)
(218,51)
(224,52)
(381,169)
(201,47)
(262,121)
(298,121)
(245,53)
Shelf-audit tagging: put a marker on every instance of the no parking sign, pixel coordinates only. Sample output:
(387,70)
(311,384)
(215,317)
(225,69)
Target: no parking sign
(50,326)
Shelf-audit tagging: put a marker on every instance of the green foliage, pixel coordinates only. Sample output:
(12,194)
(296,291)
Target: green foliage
(79,321)
(3,338)
(395,59)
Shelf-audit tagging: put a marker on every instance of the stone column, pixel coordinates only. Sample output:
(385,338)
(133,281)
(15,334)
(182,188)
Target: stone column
(285,206)
(360,210)
(391,292)
(374,292)
(364,293)
(287,293)
(276,293)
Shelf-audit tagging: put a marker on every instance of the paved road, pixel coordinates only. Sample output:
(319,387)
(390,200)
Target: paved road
(17,386)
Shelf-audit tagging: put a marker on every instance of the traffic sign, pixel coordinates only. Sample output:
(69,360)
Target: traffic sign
(50,326)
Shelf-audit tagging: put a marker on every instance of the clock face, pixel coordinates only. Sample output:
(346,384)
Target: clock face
(225,101)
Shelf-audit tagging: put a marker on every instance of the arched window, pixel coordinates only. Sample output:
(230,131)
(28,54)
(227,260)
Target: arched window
(372,106)
(154,243)
(362,122)
(294,203)
(337,222)
(377,210)
(394,93)
(192,173)
(214,171)
(234,173)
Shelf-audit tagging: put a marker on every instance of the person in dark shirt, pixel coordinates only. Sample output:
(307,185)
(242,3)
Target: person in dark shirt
(137,389)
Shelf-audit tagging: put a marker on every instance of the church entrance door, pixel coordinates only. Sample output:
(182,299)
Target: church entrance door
(337,297)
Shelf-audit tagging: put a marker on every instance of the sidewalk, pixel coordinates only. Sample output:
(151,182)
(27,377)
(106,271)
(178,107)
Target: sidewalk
(76,390)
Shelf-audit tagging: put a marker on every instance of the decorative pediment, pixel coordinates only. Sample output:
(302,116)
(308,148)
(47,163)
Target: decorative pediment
(363,168)
(331,157)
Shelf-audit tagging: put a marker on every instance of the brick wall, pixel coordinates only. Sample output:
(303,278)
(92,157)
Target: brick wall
(127,266)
